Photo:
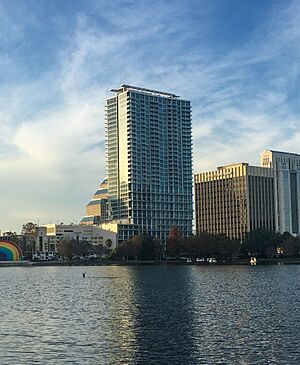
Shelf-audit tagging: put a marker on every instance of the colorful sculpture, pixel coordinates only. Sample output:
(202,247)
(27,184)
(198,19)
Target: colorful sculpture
(10,251)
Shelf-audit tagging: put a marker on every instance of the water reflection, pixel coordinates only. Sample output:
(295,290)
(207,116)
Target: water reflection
(162,308)
(242,315)
(150,315)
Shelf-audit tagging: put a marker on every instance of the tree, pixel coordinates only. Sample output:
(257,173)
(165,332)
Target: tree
(107,247)
(147,247)
(12,236)
(291,246)
(158,249)
(83,248)
(66,247)
(190,247)
(134,246)
(140,247)
(174,243)
(99,250)
(121,251)
(29,232)
(262,243)
(206,245)
(129,249)
(225,248)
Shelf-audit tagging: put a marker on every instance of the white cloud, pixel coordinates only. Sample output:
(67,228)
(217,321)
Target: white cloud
(52,127)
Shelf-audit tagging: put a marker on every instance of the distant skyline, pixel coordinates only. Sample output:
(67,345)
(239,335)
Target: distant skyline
(237,61)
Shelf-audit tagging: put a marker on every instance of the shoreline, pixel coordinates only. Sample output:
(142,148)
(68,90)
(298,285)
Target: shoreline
(244,262)
(164,262)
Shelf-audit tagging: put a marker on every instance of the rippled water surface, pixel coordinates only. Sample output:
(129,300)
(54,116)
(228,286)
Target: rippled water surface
(150,315)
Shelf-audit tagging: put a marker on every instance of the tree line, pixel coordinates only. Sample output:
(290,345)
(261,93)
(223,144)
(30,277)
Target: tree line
(140,247)
(144,247)
(260,243)
(71,248)
(268,244)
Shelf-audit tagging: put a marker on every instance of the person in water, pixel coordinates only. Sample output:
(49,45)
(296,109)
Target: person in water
(83,274)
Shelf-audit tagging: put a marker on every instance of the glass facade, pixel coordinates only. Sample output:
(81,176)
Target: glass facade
(149,160)
(97,208)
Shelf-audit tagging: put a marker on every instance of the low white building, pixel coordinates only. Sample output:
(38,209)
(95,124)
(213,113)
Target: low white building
(123,229)
(50,235)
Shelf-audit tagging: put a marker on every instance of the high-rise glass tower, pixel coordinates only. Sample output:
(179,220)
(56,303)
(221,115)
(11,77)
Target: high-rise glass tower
(149,160)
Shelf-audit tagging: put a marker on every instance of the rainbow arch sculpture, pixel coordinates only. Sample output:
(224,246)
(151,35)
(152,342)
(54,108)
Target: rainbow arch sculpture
(10,251)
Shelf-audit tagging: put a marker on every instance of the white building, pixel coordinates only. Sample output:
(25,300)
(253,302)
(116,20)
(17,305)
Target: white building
(286,167)
(50,234)
(122,228)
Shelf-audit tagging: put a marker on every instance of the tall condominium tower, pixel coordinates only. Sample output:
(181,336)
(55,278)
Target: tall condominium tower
(149,160)
(286,167)
(234,199)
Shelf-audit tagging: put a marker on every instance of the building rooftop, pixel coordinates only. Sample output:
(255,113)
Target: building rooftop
(124,87)
(220,169)
(233,165)
(101,191)
(283,152)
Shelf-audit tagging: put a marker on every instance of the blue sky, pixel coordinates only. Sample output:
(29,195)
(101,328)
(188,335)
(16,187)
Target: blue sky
(237,61)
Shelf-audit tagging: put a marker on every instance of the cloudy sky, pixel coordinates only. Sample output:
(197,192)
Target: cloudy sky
(237,61)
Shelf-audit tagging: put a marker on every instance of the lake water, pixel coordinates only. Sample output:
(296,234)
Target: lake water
(150,315)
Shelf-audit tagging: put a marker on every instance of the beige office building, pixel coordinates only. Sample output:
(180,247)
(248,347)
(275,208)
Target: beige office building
(234,199)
